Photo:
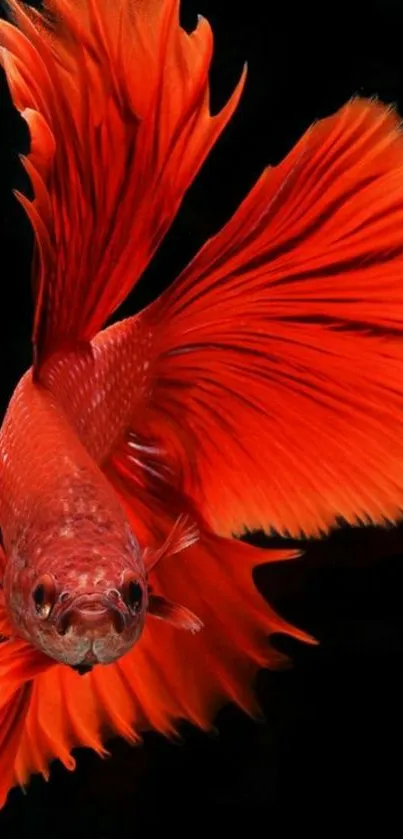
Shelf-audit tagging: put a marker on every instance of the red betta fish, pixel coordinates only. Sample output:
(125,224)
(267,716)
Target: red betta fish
(262,390)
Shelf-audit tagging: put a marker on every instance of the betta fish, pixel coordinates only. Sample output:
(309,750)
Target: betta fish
(262,390)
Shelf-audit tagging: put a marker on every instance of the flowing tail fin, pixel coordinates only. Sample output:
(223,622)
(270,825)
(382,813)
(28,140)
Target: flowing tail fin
(277,371)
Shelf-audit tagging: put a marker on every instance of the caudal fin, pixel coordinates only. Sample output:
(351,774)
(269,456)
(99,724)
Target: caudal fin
(277,374)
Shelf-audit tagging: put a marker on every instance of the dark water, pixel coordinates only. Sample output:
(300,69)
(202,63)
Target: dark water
(331,745)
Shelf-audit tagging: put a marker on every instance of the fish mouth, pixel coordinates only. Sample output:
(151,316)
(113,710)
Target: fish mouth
(91,612)
(83,668)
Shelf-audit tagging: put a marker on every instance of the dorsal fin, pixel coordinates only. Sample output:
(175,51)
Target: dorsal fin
(116,97)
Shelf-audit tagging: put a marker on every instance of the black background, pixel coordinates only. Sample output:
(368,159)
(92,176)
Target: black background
(330,749)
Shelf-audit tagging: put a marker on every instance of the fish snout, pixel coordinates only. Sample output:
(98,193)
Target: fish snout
(82,628)
(99,613)
(90,617)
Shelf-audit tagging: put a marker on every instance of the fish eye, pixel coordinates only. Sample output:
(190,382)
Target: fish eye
(43,596)
(133,594)
(39,596)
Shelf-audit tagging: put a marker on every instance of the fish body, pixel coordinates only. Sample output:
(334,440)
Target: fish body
(66,536)
(61,515)
(262,390)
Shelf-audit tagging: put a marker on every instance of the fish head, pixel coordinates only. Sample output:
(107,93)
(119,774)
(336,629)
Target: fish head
(84,600)
(80,619)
